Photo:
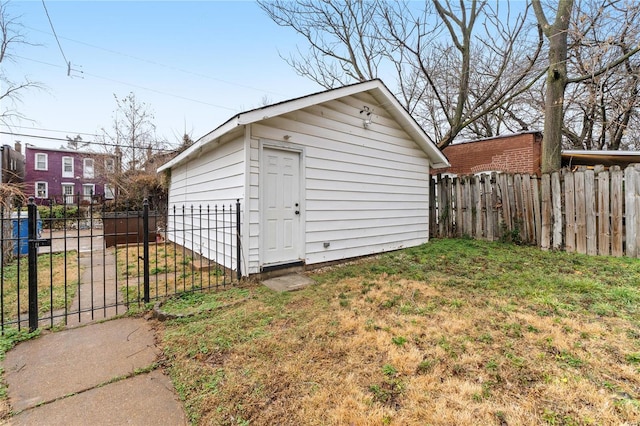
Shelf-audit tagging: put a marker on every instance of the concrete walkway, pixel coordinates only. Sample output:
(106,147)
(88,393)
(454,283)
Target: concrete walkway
(100,374)
(92,373)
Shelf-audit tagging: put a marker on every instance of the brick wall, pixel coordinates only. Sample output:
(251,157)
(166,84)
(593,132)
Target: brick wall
(53,174)
(513,153)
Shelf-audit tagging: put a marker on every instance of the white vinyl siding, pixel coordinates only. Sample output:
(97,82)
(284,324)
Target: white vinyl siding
(215,178)
(366,190)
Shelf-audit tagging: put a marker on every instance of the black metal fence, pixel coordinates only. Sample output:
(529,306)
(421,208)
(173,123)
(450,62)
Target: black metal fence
(63,264)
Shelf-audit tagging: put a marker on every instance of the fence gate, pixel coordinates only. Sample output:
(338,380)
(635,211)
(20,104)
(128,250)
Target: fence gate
(63,264)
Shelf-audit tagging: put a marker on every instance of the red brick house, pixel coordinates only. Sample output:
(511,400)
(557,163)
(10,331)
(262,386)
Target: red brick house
(66,175)
(516,153)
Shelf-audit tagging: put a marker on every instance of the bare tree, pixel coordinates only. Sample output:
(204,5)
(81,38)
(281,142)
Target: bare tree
(10,91)
(132,139)
(75,143)
(557,76)
(478,58)
(345,46)
(133,132)
(599,111)
(454,62)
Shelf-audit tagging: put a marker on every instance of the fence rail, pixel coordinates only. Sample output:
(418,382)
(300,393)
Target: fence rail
(589,211)
(65,264)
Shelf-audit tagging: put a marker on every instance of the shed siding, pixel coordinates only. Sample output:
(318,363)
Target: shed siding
(214,178)
(366,190)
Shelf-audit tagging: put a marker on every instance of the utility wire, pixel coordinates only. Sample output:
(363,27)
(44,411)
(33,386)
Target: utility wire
(171,67)
(66,62)
(235,110)
(87,142)
(68,132)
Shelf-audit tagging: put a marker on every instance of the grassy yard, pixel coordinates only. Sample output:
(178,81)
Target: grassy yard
(171,268)
(453,332)
(15,283)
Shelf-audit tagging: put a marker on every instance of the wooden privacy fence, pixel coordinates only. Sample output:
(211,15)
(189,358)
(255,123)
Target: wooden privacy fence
(593,212)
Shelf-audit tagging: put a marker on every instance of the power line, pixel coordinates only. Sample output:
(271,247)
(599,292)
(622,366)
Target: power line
(171,67)
(87,142)
(67,63)
(136,86)
(68,132)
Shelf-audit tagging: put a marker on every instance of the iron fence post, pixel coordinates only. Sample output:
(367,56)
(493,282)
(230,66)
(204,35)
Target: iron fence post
(238,248)
(32,239)
(145,250)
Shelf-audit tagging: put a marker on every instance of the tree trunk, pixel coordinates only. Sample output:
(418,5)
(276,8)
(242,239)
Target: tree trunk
(556,82)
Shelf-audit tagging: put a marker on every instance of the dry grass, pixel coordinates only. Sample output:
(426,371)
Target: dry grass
(56,273)
(171,268)
(368,347)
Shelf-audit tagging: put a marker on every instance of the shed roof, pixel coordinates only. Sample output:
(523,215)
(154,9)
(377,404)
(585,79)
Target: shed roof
(605,158)
(375,88)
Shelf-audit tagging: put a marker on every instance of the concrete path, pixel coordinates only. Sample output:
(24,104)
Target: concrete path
(289,282)
(92,373)
(100,374)
(98,296)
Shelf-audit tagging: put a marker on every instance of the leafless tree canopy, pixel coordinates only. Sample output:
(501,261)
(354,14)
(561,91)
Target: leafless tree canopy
(475,68)
(10,90)
(603,103)
(132,139)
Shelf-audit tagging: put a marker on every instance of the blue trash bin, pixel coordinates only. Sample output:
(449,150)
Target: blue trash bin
(20,231)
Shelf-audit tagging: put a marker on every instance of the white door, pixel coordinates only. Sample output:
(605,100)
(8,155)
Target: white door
(281,206)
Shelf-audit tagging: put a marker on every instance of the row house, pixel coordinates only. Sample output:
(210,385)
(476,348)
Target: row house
(64,175)
(11,164)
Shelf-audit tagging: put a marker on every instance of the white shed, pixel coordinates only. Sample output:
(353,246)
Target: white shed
(325,177)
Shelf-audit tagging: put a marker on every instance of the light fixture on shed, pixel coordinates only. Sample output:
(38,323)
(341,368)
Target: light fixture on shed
(366,112)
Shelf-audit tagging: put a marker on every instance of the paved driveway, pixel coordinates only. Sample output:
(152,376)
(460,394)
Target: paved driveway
(83,240)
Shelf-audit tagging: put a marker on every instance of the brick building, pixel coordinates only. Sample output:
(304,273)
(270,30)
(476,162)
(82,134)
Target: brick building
(64,175)
(11,164)
(517,153)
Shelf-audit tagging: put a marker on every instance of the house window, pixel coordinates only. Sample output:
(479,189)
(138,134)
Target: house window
(14,165)
(109,194)
(42,190)
(88,168)
(67,193)
(41,162)
(87,191)
(110,165)
(67,167)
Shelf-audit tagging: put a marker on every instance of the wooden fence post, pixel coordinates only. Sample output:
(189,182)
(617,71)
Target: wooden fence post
(477,190)
(459,207)
(537,214)
(590,213)
(617,213)
(604,216)
(570,216)
(545,235)
(632,210)
(556,201)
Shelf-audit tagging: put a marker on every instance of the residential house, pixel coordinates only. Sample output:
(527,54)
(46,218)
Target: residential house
(67,176)
(11,164)
(329,176)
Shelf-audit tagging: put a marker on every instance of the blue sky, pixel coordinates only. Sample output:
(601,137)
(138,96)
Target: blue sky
(194,63)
